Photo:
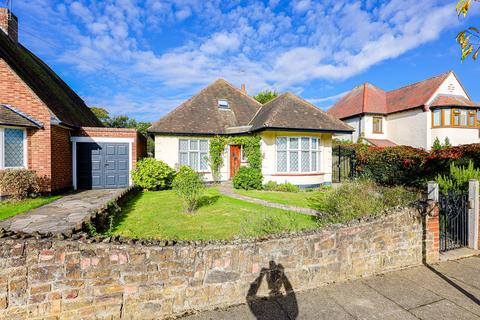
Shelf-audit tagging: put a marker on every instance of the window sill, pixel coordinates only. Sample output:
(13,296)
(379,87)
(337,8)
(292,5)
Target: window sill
(297,174)
(456,127)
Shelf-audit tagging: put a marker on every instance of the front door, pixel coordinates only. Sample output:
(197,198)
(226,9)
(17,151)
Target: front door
(235,159)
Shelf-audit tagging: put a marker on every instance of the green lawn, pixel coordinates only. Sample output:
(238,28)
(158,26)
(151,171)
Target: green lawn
(159,215)
(9,209)
(298,199)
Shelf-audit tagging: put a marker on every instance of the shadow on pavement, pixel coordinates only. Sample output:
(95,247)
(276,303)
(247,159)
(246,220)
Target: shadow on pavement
(453,284)
(279,304)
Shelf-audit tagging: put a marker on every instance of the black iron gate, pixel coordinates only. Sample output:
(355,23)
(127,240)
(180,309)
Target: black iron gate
(453,220)
(343,164)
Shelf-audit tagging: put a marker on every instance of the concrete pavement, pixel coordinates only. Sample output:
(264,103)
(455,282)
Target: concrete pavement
(449,290)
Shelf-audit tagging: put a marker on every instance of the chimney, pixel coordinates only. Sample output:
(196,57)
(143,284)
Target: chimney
(243,89)
(9,24)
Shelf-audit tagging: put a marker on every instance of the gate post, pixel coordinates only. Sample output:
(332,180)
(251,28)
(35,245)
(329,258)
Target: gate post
(431,225)
(473,215)
(433,191)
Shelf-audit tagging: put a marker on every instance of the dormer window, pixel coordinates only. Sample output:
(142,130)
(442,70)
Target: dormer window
(223,104)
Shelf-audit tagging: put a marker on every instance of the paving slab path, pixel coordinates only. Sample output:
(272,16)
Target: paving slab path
(449,290)
(226,189)
(62,215)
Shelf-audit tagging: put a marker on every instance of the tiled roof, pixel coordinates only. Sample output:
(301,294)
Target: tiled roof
(13,117)
(381,142)
(202,115)
(414,95)
(289,111)
(451,100)
(62,101)
(370,99)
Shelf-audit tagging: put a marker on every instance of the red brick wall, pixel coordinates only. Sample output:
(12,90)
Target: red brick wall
(61,159)
(432,230)
(15,92)
(139,144)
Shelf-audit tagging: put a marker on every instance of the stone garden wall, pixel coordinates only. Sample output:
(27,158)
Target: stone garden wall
(75,279)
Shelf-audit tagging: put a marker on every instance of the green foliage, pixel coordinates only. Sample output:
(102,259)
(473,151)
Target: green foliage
(101,113)
(248,178)
(437,145)
(152,174)
(189,186)
(468,38)
(286,187)
(21,183)
(458,178)
(264,224)
(357,199)
(123,121)
(446,143)
(266,96)
(251,148)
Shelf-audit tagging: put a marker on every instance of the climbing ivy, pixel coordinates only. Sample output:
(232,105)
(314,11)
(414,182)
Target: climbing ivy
(251,147)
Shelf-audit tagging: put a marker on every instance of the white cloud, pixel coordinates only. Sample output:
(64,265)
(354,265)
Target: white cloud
(262,45)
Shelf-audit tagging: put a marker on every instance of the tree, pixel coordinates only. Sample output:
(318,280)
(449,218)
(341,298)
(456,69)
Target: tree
(469,39)
(101,113)
(265,96)
(124,122)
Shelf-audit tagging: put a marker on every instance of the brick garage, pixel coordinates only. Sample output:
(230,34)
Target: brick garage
(37,105)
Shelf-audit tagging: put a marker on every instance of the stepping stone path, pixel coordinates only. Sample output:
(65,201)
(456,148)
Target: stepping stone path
(226,189)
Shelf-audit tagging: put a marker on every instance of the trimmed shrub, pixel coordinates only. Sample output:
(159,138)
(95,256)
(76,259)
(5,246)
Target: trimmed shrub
(189,186)
(152,174)
(286,187)
(248,178)
(20,183)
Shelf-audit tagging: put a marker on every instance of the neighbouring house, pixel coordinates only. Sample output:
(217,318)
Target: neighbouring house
(46,127)
(296,136)
(414,115)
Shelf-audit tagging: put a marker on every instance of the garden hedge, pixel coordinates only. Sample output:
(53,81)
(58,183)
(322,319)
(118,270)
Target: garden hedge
(403,165)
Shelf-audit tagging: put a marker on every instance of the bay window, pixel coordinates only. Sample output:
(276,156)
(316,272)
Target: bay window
(297,154)
(194,153)
(455,118)
(13,148)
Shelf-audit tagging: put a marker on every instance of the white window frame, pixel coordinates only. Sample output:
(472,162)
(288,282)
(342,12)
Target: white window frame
(243,156)
(198,151)
(2,148)
(299,150)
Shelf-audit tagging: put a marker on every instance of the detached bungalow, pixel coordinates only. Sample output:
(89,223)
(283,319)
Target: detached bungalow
(296,136)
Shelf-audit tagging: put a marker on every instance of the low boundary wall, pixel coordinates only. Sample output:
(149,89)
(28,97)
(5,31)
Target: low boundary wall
(149,279)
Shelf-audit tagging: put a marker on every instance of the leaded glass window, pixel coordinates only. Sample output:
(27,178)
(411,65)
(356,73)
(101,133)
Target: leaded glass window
(297,154)
(13,148)
(194,153)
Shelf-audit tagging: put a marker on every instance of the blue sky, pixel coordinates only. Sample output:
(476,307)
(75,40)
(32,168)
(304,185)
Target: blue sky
(143,58)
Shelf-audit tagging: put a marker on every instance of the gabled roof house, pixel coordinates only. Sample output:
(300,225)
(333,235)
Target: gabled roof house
(46,127)
(414,115)
(296,137)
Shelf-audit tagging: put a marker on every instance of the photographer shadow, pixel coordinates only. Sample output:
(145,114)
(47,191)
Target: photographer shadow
(279,304)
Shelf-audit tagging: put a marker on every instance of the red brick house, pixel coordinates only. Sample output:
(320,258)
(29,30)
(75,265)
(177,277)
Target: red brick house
(46,127)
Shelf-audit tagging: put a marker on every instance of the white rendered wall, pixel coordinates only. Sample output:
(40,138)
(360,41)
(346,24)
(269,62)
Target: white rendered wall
(367,124)
(167,150)
(269,164)
(457,136)
(410,128)
(451,86)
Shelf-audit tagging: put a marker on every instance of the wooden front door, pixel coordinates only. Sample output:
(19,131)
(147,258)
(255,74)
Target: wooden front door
(235,159)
